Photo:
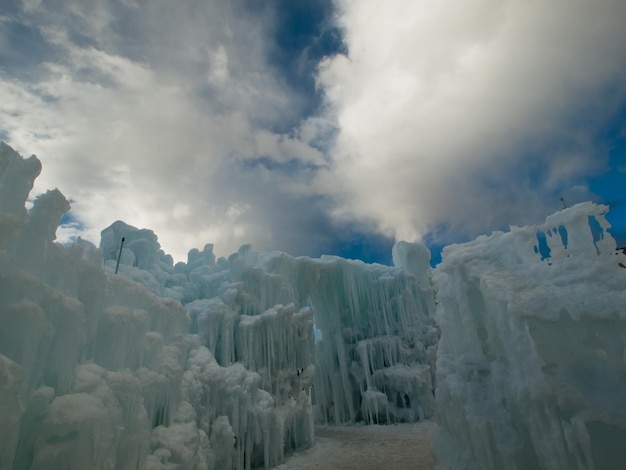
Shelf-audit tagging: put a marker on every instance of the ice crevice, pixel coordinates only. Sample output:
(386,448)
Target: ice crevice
(515,343)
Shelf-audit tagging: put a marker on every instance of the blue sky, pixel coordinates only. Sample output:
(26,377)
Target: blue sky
(321,126)
(610,186)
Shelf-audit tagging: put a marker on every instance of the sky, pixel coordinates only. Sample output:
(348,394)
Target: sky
(317,127)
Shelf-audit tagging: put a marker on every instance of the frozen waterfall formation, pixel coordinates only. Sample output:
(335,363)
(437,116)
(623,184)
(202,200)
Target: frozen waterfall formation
(215,363)
(205,364)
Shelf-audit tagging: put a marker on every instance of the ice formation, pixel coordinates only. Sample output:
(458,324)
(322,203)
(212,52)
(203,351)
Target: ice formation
(531,368)
(213,363)
(98,372)
(205,364)
(375,361)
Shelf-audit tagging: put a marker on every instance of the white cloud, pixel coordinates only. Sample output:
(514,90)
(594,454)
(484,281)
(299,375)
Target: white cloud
(283,149)
(458,116)
(469,115)
(218,66)
(148,121)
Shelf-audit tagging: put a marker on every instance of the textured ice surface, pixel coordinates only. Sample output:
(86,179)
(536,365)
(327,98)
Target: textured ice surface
(110,371)
(96,371)
(214,363)
(375,322)
(531,369)
(375,360)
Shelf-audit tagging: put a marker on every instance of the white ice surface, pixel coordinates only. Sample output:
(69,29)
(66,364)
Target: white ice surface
(531,369)
(102,371)
(214,363)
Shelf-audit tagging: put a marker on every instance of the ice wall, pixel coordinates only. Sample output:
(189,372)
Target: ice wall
(375,360)
(531,368)
(213,363)
(88,361)
(378,344)
(97,371)
(255,374)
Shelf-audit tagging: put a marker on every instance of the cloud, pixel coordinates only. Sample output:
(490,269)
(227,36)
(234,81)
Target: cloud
(469,115)
(159,114)
(203,121)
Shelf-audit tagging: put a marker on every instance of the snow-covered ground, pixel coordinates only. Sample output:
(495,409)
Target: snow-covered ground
(398,447)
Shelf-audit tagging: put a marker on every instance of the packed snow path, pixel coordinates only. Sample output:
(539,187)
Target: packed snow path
(401,446)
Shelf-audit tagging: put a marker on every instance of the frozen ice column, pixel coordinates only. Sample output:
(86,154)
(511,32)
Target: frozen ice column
(531,369)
